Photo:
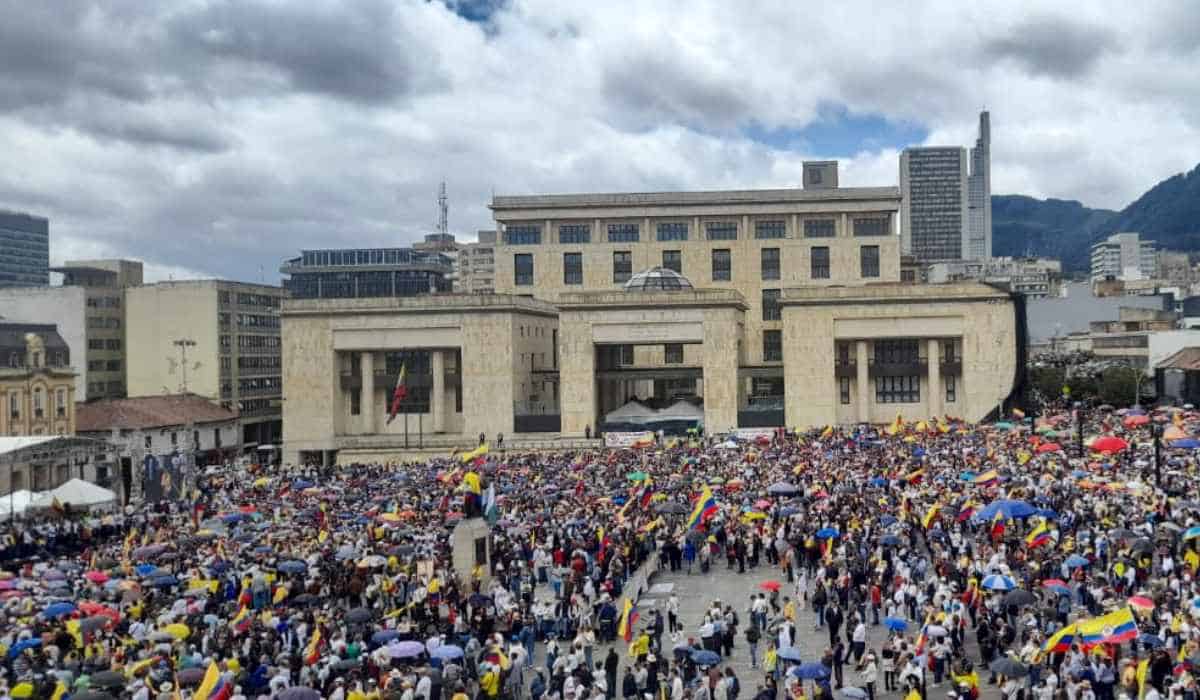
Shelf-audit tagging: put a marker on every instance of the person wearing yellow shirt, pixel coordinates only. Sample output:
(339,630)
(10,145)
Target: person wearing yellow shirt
(489,683)
(789,609)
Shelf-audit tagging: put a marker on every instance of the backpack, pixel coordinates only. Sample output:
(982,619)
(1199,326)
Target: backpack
(734,687)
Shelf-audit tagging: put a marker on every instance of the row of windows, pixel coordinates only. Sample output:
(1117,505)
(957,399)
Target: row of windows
(722,265)
(113,388)
(898,389)
(104,302)
(270,342)
(258,300)
(102,322)
(257,321)
(56,358)
(39,403)
(260,384)
(580,233)
(259,363)
(104,343)
(104,365)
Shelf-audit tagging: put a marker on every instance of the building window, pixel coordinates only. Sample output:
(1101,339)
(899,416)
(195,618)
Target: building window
(722,265)
(771,310)
(112,366)
(772,346)
(672,231)
(355,402)
(770,263)
(951,388)
(673,353)
(523,269)
(770,229)
(948,352)
(61,403)
(673,260)
(898,389)
(819,228)
(572,268)
(217,438)
(174,438)
(844,390)
(868,257)
(625,355)
(820,263)
(721,230)
(900,351)
(623,233)
(148,442)
(523,234)
(574,233)
(872,226)
(39,410)
(622,266)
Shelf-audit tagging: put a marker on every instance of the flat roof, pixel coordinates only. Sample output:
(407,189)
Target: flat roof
(697,198)
(892,293)
(425,303)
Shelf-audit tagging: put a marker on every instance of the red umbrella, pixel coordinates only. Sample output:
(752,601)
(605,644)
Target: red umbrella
(1108,443)
(1049,447)
(1050,582)
(1135,421)
(1141,602)
(772,586)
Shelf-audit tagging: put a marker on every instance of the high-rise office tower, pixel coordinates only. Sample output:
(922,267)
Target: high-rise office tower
(979,195)
(24,250)
(946,213)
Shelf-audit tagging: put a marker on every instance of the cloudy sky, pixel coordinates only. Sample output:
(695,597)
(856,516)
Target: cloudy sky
(218,137)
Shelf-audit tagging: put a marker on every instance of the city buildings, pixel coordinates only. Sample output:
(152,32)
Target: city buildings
(761,309)
(1033,277)
(1124,257)
(192,428)
(88,310)
(24,250)
(477,265)
(946,211)
(213,338)
(37,384)
(356,273)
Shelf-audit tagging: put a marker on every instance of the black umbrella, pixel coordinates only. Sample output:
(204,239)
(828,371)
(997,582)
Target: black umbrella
(191,676)
(305,599)
(91,695)
(358,615)
(671,508)
(107,679)
(91,624)
(1008,668)
(1142,546)
(1121,533)
(298,693)
(1019,597)
(346,664)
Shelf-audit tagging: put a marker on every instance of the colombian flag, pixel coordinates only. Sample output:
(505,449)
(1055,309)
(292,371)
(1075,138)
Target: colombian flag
(629,617)
(706,506)
(474,454)
(1115,627)
(914,477)
(1039,536)
(312,652)
(987,478)
(1060,641)
(241,621)
(930,515)
(213,687)
(998,524)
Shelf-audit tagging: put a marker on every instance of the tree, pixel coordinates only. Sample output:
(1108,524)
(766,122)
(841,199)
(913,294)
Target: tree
(1117,385)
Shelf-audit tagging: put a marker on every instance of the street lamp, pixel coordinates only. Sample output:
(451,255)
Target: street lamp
(1079,427)
(1157,430)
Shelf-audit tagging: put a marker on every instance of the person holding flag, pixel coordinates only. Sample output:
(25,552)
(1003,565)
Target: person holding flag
(705,508)
(399,393)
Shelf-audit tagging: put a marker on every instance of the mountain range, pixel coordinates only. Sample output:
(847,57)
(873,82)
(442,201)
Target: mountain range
(1168,213)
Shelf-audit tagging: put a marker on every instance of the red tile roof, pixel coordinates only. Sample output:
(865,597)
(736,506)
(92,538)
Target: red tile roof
(148,412)
(1187,358)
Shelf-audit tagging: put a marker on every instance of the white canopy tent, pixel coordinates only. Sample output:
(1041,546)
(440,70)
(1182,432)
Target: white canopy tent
(680,410)
(78,493)
(16,502)
(632,412)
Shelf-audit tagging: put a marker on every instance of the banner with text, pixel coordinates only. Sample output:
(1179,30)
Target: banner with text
(637,439)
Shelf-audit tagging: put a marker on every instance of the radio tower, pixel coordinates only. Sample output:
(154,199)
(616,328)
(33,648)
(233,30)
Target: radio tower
(443,225)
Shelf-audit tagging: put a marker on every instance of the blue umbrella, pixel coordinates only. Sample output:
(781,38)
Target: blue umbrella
(967,476)
(998,582)
(1008,509)
(827,533)
(1186,443)
(292,566)
(789,653)
(1047,513)
(145,569)
(15,650)
(231,518)
(58,609)
(878,482)
(895,624)
(810,671)
(888,520)
(1192,532)
(263,549)
(1075,561)
(782,488)
(384,636)
(1150,640)
(703,657)
(164,581)
(301,484)
(1059,589)
(889,541)
(447,651)
(788,511)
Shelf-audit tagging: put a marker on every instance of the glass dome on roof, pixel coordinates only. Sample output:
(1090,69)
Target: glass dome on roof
(657,279)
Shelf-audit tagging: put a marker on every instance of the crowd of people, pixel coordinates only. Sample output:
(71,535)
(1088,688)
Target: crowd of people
(918,558)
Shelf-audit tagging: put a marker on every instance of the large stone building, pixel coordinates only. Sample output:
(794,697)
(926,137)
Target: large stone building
(356,273)
(1125,257)
(88,309)
(763,308)
(214,338)
(24,250)
(37,384)
(477,265)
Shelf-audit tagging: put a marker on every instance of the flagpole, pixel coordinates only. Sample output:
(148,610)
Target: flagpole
(420,430)
(406,430)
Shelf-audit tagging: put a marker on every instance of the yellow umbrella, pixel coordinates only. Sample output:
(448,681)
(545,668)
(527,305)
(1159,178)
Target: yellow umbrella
(263,481)
(390,518)
(22,690)
(751,517)
(178,630)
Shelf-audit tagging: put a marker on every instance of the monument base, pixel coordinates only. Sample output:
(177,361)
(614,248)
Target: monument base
(471,545)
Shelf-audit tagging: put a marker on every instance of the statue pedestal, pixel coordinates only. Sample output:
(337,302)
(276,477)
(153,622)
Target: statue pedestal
(471,544)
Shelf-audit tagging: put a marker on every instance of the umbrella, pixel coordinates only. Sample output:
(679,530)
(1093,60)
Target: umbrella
(1151,640)
(107,679)
(1142,546)
(769,586)
(1002,425)
(1075,561)
(810,671)
(998,582)
(671,508)
(1141,602)
(91,695)
(703,657)
(827,533)
(15,650)
(1186,443)
(637,476)
(789,653)
(96,576)
(384,636)
(305,599)
(165,581)
(447,651)
(178,630)
(895,624)
(1049,447)
(1191,533)
(1109,443)
(936,631)
(91,624)
(58,609)
(190,676)
(297,692)
(406,650)
(149,551)
(1170,526)
(782,488)
(347,664)
(1008,509)
(889,541)
(1121,533)
(1007,667)
(358,615)
(888,520)
(1019,598)
(292,566)
(345,552)
(854,693)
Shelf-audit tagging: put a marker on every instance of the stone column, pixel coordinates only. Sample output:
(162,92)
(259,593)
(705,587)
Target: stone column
(863,381)
(366,395)
(577,376)
(720,371)
(933,356)
(437,393)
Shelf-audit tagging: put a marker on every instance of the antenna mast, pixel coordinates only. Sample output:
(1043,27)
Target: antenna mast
(443,210)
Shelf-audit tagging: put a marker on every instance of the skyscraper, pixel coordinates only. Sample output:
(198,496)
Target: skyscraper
(946,214)
(24,250)
(979,194)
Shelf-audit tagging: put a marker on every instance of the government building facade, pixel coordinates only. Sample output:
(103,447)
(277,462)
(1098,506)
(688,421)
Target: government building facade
(734,309)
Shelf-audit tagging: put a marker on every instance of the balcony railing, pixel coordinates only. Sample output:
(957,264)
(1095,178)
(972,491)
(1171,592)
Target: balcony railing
(950,367)
(845,368)
(902,368)
(353,380)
